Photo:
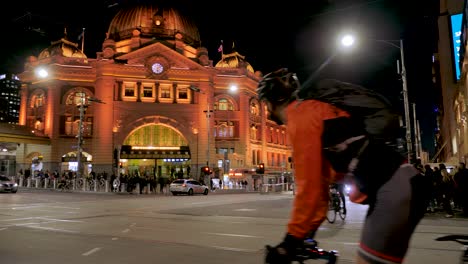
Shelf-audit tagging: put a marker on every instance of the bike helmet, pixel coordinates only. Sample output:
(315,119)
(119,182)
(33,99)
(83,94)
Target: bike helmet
(278,86)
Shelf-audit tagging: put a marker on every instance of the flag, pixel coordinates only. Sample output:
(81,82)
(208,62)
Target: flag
(81,35)
(220,49)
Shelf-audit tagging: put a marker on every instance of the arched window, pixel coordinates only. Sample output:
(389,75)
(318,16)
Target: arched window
(253,132)
(254,109)
(224,105)
(156,135)
(36,110)
(71,120)
(225,129)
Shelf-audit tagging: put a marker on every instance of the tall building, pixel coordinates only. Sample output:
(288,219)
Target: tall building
(9,98)
(152,102)
(452,136)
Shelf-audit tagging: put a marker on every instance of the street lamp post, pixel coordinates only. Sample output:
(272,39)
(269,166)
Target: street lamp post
(195,132)
(207,112)
(208,116)
(82,109)
(409,143)
(348,40)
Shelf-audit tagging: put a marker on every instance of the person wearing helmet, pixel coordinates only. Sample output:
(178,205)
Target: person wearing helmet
(314,127)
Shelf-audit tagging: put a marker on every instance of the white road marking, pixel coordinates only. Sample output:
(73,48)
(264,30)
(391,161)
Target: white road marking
(126,230)
(24,207)
(1,229)
(92,251)
(53,229)
(203,203)
(64,207)
(232,235)
(60,220)
(235,249)
(115,238)
(18,219)
(133,224)
(245,210)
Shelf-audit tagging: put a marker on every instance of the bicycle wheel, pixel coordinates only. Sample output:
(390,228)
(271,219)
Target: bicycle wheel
(340,207)
(331,213)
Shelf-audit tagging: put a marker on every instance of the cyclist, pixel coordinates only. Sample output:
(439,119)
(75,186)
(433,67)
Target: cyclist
(395,207)
(339,182)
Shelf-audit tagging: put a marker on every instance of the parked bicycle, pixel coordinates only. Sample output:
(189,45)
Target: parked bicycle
(65,185)
(311,251)
(335,205)
(461,239)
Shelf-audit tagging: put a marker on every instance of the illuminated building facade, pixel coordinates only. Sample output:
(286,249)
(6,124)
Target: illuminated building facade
(9,98)
(152,102)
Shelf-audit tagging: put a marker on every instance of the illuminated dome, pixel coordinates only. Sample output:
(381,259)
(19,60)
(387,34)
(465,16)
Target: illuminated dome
(234,60)
(152,22)
(62,47)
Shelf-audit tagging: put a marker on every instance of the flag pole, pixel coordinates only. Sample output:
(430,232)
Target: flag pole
(221,49)
(82,41)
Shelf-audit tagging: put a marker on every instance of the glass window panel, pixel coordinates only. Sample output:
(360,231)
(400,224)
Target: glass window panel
(183,93)
(129,89)
(147,91)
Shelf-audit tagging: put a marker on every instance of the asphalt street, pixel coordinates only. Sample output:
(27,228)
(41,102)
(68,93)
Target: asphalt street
(55,227)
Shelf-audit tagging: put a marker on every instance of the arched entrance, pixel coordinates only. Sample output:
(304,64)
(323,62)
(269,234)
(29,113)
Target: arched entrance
(155,150)
(70,162)
(35,159)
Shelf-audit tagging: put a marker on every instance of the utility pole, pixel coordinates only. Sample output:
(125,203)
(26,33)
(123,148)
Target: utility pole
(416,141)
(82,109)
(409,143)
(208,116)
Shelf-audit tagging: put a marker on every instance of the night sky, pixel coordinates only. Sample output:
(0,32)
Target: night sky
(299,35)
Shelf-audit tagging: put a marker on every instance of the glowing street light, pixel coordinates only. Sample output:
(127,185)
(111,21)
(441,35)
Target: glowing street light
(348,40)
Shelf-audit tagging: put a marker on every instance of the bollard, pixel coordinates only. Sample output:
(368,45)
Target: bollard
(46,183)
(148,188)
(95,185)
(55,184)
(37,182)
(28,183)
(74,184)
(21,182)
(137,188)
(123,187)
(106,188)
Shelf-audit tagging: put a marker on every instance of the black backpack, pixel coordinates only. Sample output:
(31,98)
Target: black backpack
(365,144)
(371,113)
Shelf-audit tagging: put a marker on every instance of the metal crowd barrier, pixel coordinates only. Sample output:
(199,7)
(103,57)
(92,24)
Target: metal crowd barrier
(87,185)
(275,187)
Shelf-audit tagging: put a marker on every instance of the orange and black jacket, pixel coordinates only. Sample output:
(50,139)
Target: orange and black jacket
(313,173)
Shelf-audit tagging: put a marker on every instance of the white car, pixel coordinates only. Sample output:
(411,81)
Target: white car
(7,185)
(188,186)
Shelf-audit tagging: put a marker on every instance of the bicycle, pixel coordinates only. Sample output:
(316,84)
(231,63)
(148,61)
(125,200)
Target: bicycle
(461,239)
(65,185)
(311,251)
(335,205)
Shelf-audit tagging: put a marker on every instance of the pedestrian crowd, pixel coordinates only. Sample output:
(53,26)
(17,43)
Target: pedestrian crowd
(448,188)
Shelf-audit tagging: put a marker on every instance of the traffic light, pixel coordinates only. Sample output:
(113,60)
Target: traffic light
(206,170)
(261,168)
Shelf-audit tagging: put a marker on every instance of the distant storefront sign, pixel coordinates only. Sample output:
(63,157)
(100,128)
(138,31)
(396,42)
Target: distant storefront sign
(456,27)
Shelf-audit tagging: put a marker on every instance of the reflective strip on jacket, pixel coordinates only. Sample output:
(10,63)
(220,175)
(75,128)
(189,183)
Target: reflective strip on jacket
(312,172)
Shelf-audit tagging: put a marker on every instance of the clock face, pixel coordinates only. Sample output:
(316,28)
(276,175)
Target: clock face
(157,68)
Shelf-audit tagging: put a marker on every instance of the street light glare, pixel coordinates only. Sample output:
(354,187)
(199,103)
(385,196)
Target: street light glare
(233,88)
(42,73)
(347,40)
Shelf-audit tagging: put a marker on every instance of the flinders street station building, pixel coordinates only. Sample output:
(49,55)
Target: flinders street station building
(152,102)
